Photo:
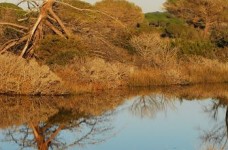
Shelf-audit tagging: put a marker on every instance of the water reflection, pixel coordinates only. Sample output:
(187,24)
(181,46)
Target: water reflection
(44,118)
(70,122)
(217,136)
(149,105)
(44,135)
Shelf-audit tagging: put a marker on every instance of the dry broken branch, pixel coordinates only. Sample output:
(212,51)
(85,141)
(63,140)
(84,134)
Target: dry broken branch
(14,25)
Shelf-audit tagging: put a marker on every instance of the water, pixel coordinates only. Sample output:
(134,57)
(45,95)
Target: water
(171,118)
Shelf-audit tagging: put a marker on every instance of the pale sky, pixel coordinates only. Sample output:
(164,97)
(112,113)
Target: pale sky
(146,5)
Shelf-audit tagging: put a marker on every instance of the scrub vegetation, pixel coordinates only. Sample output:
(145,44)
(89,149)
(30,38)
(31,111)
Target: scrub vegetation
(71,46)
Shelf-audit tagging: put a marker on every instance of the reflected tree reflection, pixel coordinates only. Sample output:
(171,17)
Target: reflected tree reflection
(34,136)
(149,106)
(86,130)
(217,137)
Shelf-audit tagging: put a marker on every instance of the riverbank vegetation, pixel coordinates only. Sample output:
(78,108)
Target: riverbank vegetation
(88,48)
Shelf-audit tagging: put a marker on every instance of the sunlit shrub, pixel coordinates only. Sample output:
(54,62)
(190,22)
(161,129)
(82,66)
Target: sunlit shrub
(94,74)
(18,76)
(193,70)
(154,50)
(128,13)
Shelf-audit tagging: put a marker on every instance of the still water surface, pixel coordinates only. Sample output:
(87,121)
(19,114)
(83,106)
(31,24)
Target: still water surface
(171,118)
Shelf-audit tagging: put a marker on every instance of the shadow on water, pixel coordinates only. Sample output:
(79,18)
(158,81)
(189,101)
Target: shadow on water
(43,122)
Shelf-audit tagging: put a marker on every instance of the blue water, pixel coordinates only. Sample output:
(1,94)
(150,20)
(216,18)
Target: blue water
(162,125)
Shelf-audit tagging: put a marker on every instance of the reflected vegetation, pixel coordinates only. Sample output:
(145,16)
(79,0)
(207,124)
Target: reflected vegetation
(217,135)
(35,122)
(77,121)
(149,105)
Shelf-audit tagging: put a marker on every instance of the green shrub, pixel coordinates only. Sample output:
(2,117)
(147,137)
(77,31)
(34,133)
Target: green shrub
(10,5)
(199,47)
(181,31)
(62,58)
(162,19)
(57,50)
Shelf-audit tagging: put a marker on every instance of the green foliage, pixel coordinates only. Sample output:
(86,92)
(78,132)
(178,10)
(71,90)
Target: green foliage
(188,39)
(8,10)
(172,1)
(169,25)
(10,5)
(62,58)
(198,47)
(182,31)
(162,19)
(56,50)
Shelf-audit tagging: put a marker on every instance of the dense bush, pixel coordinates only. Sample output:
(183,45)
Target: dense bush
(197,47)
(181,31)
(18,76)
(57,50)
(154,50)
(128,13)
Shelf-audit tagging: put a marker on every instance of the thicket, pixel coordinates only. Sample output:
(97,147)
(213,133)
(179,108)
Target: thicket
(18,76)
(188,37)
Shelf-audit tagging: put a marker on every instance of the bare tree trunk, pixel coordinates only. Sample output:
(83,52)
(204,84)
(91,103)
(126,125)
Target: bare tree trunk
(39,137)
(43,15)
(33,37)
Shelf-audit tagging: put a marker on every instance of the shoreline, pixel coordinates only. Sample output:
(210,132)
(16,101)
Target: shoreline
(122,88)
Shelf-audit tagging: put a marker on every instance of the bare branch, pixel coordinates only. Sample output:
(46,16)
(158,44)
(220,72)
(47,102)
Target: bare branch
(55,134)
(54,29)
(59,22)
(31,35)
(14,25)
(12,43)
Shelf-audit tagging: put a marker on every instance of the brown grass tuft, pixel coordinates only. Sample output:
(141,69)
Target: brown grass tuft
(197,70)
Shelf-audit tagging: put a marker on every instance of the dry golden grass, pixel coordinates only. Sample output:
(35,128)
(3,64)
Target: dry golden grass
(93,74)
(202,70)
(156,76)
(18,76)
(197,70)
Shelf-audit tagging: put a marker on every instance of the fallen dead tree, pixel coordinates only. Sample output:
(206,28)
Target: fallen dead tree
(46,18)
